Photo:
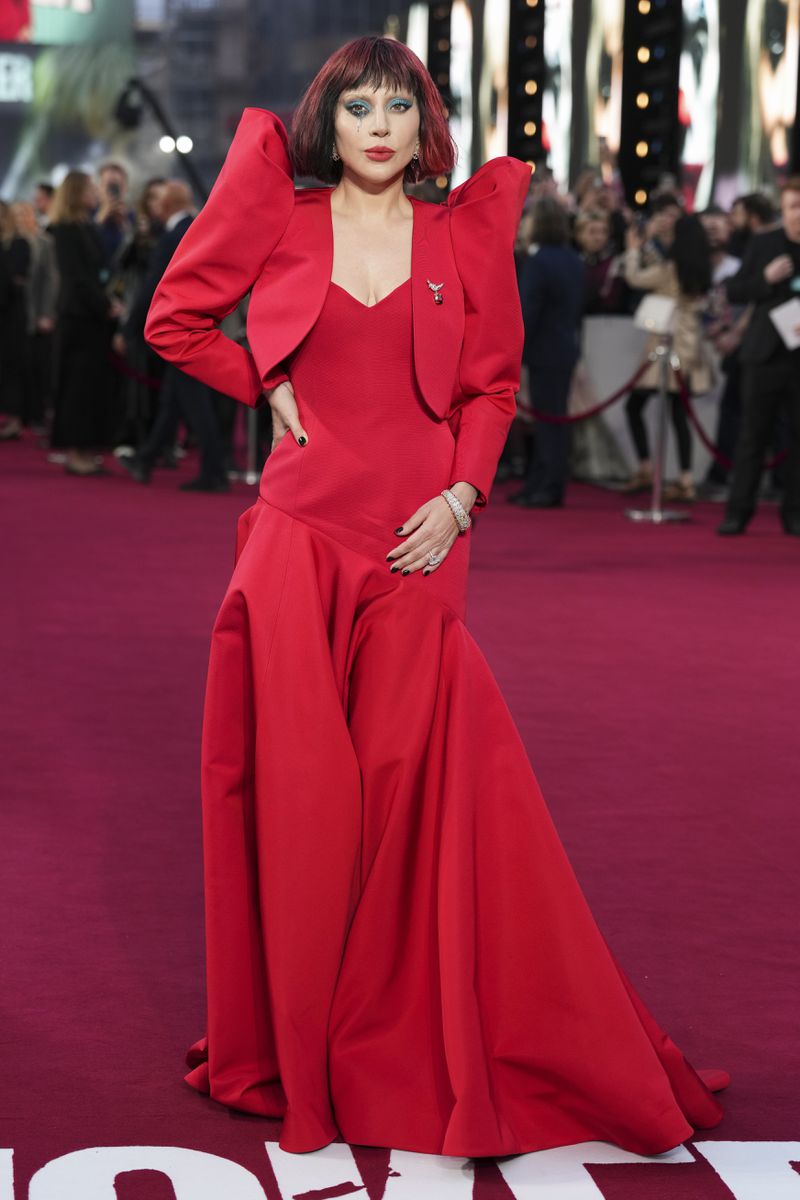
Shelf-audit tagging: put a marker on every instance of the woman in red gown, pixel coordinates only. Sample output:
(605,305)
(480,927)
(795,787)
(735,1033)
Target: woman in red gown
(398,952)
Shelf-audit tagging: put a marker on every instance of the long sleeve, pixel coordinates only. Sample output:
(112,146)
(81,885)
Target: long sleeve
(533,291)
(485,213)
(651,278)
(748,285)
(221,256)
(46,276)
(79,260)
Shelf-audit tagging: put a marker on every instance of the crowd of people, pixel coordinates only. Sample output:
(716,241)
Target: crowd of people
(79,265)
(78,268)
(586,254)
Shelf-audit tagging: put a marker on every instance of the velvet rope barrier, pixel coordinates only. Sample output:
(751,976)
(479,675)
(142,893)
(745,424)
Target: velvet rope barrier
(714,451)
(552,419)
(124,368)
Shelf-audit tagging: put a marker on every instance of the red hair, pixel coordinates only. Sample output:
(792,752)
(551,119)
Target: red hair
(377,62)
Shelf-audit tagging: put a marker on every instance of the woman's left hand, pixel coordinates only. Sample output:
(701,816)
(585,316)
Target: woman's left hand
(432,527)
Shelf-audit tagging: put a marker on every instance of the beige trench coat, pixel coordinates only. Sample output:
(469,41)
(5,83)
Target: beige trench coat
(688,342)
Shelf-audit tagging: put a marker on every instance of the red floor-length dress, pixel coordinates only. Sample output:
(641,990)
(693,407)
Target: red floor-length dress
(398,950)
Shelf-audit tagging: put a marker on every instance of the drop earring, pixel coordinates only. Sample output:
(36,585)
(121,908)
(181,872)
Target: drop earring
(415,155)
(334,155)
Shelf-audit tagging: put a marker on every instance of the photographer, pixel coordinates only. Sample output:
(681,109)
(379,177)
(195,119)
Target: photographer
(114,217)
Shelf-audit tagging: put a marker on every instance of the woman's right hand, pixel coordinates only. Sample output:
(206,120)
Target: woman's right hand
(634,239)
(285,417)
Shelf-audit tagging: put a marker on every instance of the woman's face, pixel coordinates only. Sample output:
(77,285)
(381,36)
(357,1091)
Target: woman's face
(370,120)
(152,201)
(593,236)
(24,217)
(90,196)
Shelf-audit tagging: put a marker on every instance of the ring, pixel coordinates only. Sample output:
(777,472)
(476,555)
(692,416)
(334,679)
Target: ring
(432,559)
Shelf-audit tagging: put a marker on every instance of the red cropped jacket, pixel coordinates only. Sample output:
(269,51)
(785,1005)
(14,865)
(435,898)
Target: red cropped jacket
(257,233)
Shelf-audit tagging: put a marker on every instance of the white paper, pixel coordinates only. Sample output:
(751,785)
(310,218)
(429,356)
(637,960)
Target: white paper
(786,319)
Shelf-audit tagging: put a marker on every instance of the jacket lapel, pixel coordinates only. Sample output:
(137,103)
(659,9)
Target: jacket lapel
(438,328)
(288,296)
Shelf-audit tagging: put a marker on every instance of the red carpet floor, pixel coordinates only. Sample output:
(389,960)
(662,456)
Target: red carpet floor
(655,676)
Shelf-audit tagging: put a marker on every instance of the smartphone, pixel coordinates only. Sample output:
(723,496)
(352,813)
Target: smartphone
(113,190)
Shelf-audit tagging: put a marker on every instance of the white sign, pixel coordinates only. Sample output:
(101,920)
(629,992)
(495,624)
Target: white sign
(750,1170)
(16,79)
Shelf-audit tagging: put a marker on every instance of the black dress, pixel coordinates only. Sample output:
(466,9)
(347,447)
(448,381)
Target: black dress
(85,412)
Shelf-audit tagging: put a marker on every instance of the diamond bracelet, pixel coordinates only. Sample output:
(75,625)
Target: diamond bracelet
(461,515)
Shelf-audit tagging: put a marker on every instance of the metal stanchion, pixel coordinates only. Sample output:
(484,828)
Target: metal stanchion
(251,473)
(655,514)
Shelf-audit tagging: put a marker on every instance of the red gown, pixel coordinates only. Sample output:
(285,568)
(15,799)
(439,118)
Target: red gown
(398,950)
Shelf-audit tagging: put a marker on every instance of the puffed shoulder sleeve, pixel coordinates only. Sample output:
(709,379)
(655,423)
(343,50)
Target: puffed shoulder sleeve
(221,255)
(484,214)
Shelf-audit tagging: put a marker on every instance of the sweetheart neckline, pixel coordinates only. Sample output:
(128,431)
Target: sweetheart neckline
(378,303)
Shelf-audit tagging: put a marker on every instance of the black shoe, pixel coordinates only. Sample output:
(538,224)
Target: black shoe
(732,527)
(523,500)
(205,485)
(135,468)
(168,461)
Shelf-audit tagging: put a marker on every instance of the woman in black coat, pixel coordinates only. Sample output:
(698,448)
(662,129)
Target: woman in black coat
(86,314)
(15,253)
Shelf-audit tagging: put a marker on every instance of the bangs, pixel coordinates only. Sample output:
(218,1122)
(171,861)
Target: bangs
(382,68)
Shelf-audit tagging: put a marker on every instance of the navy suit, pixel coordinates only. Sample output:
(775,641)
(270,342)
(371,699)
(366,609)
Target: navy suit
(180,394)
(553,292)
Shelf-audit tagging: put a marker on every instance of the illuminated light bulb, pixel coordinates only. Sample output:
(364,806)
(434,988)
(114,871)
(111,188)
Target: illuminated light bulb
(166,144)
(641,149)
(529,128)
(643,54)
(640,196)
(644,7)
(184,144)
(642,100)
(531,87)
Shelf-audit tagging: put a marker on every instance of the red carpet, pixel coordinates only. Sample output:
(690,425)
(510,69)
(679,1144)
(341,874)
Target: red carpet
(654,674)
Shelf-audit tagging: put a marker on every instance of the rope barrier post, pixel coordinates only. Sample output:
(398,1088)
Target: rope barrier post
(251,474)
(655,514)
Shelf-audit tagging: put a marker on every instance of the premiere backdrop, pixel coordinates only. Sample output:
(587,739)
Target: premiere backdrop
(61,71)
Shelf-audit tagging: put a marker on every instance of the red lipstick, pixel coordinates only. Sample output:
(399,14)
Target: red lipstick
(379,154)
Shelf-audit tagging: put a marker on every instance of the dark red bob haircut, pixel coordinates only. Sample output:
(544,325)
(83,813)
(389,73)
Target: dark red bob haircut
(375,62)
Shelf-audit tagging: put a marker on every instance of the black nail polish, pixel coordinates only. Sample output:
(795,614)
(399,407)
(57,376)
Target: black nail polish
(392,570)
(426,572)
(400,530)
(406,570)
(302,441)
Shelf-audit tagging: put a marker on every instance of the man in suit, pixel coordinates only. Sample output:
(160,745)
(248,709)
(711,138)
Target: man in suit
(553,293)
(181,396)
(769,276)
